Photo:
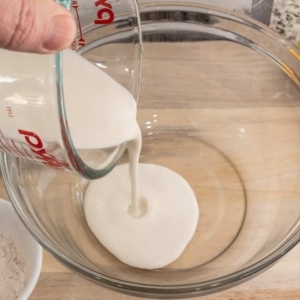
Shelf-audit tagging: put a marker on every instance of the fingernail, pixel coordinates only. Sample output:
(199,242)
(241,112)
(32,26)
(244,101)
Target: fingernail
(61,32)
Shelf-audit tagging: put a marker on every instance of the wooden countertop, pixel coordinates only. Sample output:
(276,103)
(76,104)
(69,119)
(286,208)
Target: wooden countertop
(281,282)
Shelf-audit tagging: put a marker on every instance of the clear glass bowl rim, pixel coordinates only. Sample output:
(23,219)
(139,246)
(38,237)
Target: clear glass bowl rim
(166,291)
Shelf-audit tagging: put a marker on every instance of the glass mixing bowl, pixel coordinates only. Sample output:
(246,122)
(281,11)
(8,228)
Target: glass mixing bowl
(220,105)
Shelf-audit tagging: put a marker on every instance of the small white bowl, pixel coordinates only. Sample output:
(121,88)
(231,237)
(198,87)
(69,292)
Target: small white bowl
(31,251)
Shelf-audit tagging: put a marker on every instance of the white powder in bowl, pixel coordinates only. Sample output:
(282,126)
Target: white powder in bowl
(13,269)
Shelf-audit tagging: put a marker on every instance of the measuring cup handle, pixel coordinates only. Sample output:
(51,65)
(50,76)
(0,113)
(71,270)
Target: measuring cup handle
(65,3)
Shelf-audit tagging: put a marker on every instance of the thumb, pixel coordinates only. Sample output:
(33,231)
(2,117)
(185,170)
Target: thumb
(38,26)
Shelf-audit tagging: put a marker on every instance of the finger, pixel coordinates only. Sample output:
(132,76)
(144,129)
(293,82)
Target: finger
(38,26)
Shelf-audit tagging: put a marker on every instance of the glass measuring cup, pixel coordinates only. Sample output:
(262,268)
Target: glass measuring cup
(33,118)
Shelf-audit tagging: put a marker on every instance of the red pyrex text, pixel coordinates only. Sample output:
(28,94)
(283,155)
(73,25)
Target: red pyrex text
(37,148)
(105,13)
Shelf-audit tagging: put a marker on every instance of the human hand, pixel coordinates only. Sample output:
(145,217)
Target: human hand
(38,26)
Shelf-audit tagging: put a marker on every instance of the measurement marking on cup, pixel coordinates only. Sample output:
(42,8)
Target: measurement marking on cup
(2,148)
(6,147)
(14,149)
(9,146)
(26,153)
(9,112)
(105,15)
(81,41)
(22,155)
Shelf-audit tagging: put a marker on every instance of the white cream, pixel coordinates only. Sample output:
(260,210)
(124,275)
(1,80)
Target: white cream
(160,236)
(101,113)
(93,101)
(143,214)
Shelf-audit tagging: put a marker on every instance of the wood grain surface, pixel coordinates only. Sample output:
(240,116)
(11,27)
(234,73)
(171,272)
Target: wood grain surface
(281,282)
